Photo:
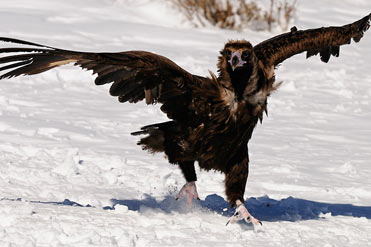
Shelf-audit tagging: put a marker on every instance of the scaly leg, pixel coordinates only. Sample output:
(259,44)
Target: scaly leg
(235,183)
(189,189)
(242,214)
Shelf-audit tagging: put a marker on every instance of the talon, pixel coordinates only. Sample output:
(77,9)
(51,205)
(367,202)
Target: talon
(242,213)
(190,191)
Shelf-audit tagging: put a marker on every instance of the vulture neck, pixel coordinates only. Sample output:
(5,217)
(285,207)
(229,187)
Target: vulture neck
(240,79)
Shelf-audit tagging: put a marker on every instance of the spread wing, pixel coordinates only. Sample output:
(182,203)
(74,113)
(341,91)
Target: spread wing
(325,41)
(135,75)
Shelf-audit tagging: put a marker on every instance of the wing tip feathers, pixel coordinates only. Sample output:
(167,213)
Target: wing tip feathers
(361,27)
(358,28)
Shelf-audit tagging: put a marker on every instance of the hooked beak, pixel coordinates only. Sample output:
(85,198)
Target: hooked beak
(236,61)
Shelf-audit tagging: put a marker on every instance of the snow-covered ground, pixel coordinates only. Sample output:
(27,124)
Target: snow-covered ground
(71,174)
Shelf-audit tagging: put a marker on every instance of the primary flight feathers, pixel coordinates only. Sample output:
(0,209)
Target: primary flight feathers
(133,71)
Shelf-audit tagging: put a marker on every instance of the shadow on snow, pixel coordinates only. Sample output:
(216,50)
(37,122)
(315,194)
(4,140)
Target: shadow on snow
(264,208)
(66,202)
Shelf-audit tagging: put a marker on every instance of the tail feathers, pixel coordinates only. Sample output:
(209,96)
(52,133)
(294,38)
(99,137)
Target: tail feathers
(145,130)
(155,140)
(158,126)
(141,132)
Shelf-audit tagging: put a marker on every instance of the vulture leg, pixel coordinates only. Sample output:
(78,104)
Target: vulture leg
(235,182)
(188,190)
(242,214)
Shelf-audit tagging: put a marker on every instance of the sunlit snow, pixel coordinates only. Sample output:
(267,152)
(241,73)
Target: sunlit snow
(72,175)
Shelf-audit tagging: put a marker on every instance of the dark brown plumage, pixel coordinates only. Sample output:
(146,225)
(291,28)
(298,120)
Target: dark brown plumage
(212,118)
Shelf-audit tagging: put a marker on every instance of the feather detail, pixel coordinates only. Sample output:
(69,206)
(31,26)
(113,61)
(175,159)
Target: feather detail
(323,41)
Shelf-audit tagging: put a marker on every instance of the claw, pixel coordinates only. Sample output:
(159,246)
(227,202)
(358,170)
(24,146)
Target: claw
(190,191)
(242,214)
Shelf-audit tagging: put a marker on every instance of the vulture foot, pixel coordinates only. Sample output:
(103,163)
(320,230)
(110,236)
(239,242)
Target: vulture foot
(242,214)
(189,190)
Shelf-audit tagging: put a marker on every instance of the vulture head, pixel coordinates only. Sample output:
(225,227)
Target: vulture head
(236,64)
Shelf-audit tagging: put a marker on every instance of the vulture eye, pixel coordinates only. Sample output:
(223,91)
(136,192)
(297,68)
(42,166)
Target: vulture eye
(245,55)
(228,53)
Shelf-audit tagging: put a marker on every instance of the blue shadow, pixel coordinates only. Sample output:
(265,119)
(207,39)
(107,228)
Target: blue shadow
(66,202)
(263,208)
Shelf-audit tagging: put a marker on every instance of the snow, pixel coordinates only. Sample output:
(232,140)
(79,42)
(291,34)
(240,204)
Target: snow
(71,174)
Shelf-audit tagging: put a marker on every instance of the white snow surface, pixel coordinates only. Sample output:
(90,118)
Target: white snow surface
(72,175)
